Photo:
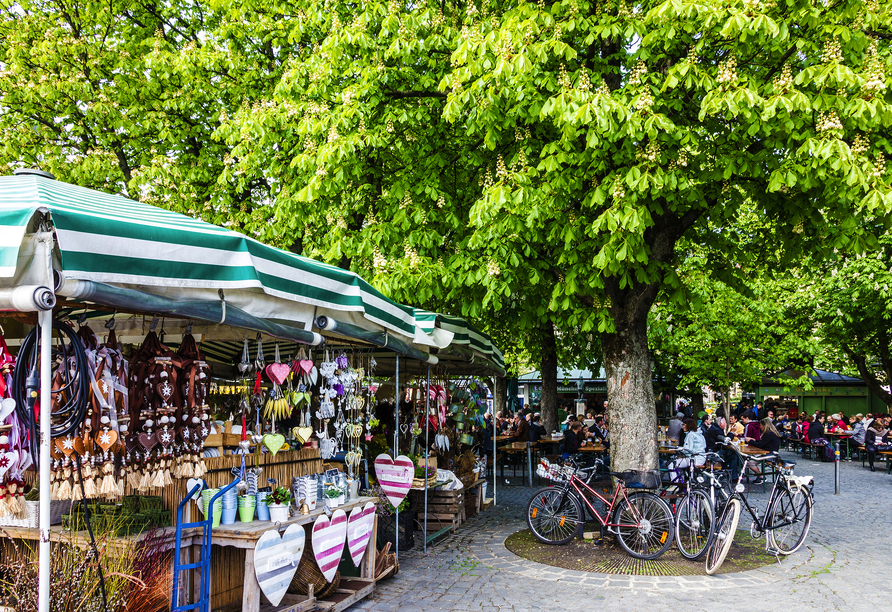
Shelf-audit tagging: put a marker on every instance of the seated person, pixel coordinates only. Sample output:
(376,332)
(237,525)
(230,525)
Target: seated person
(693,442)
(770,441)
(536,429)
(570,444)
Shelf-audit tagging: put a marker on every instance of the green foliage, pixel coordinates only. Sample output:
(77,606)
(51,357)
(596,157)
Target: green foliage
(729,337)
(540,161)
(848,300)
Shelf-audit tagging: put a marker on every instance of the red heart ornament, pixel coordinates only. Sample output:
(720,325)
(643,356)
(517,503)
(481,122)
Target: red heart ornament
(277,372)
(305,365)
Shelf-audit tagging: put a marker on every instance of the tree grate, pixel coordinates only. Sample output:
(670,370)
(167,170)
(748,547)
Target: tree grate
(642,567)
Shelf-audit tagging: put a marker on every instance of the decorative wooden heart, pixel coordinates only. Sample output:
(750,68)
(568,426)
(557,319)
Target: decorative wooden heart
(6,408)
(273,443)
(80,445)
(302,434)
(327,448)
(147,441)
(66,445)
(8,463)
(184,433)
(278,372)
(195,482)
(55,453)
(106,439)
(306,366)
(165,390)
(165,436)
(329,537)
(276,559)
(314,375)
(359,531)
(394,476)
(358,402)
(200,432)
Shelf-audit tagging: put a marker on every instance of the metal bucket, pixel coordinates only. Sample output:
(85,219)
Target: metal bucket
(467,439)
(460,417)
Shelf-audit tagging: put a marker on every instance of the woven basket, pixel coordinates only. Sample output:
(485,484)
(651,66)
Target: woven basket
(308,573)
(418,483)
(30,520)
(469,479)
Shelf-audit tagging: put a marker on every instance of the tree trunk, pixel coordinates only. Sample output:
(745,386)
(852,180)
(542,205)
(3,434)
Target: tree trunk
(630,396)
(500,394)
(696,404)
(548,369)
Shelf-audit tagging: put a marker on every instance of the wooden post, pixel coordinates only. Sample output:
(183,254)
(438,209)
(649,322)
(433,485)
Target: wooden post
(251,589)
(371,553)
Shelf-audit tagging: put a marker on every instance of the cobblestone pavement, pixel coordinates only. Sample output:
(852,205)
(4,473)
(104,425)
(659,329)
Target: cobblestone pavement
(843,565)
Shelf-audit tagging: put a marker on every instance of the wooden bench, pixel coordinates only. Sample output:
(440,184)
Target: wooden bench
(811,448)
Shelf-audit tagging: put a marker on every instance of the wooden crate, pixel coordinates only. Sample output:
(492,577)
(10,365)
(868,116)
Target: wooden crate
(349,591)
(443,507)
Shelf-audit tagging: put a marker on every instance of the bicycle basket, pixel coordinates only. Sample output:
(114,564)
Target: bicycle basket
(641,479)
(554,471)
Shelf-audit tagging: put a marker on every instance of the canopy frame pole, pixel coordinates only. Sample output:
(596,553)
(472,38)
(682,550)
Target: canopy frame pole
(45,321)
(427,425)
(396,449)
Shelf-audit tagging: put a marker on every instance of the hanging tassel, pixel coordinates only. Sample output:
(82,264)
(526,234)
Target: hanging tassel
(109,488)
(145,480)
(120,487)
(158,479)
(4,509)
(23,505)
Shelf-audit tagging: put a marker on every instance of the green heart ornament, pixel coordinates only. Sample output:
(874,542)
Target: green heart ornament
(273,443)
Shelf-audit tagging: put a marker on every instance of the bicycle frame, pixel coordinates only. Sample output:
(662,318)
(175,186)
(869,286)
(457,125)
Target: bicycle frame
(620,489)
(775,492)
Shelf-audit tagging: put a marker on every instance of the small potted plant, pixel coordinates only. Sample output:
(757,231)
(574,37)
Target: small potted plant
(334,497)
(278,501)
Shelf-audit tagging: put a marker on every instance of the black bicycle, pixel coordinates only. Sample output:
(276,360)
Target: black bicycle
(786,522)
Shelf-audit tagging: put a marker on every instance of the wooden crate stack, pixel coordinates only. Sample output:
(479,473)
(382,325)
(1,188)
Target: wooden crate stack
(444,508)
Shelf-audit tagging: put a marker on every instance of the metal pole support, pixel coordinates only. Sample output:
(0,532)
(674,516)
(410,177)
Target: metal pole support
(836,469)
(529,464)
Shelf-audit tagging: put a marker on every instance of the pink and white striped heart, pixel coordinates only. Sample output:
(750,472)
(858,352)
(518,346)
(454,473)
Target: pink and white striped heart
(394,476)
(329,537)
(359,531)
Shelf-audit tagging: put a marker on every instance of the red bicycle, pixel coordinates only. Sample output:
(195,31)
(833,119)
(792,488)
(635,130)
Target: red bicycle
(642,522)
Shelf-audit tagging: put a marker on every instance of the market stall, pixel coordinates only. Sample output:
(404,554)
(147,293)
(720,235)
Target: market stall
(110,306)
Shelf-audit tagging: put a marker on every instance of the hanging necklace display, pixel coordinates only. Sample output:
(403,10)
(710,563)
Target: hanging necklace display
(372,388)
(277,406)
(192,426)
(14,459)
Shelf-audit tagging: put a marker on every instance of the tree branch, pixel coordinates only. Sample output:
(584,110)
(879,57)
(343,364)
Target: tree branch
(414,94)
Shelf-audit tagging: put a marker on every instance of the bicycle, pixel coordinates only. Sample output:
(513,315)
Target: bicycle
(695,513)
(786,522)
(641,521)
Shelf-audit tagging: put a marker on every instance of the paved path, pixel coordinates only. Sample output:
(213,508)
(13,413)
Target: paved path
(844,564)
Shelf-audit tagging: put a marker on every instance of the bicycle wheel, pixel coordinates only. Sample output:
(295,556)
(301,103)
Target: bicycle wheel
(554,516)
(724,535)
(694,524)
(789,520)
(645,528)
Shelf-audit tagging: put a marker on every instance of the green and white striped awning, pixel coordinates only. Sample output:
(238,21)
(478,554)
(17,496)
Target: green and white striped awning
(112,240)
